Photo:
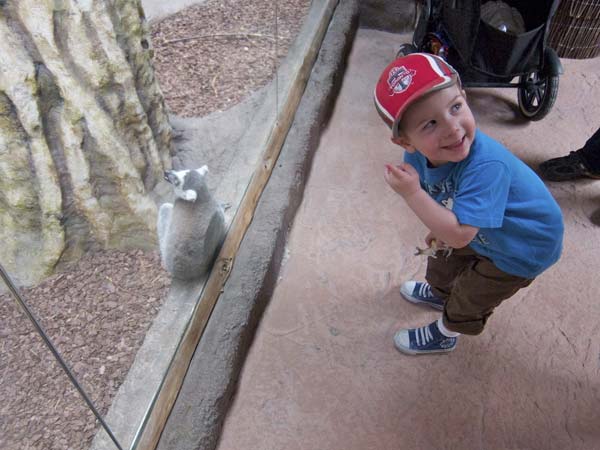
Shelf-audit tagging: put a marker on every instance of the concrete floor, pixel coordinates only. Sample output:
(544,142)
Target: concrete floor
(323,373)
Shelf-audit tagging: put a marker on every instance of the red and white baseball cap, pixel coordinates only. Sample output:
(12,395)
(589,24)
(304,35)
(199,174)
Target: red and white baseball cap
(405,80)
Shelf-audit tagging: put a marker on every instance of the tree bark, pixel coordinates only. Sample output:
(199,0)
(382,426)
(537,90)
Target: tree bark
(84,132)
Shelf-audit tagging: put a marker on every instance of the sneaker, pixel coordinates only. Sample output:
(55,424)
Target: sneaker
(417,292)
(566,168)
(427,339)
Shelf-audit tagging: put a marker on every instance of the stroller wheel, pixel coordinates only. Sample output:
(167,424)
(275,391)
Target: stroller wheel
(537,94)
(406,49)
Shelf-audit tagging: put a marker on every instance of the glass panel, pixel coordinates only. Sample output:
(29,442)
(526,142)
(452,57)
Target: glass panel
(42,409)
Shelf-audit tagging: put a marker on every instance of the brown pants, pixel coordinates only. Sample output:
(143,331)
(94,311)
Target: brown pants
(472,287)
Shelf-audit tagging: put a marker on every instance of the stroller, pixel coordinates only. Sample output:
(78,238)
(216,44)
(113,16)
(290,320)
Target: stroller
(493,56)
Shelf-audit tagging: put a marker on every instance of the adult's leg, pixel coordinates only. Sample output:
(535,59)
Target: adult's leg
(583,163)
(590,152)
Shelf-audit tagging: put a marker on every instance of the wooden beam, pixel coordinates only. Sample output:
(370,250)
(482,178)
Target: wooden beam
(155,422)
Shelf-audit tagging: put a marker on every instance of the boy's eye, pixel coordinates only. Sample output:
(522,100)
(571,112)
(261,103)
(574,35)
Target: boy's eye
(456,106)
(429,125)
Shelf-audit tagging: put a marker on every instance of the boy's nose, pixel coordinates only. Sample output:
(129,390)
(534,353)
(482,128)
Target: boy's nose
(452,128)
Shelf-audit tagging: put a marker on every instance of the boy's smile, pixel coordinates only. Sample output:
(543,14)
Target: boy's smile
(441,126)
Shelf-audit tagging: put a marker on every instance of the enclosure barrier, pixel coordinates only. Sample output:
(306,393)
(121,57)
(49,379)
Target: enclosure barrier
(153,426)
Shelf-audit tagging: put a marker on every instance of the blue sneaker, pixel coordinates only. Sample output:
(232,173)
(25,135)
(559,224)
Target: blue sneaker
(427,339)
(417,292)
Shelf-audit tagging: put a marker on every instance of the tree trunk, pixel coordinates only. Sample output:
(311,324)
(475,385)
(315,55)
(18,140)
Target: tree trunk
(84,133)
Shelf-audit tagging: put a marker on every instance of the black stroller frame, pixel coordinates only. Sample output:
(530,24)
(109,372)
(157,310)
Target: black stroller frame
(485,56)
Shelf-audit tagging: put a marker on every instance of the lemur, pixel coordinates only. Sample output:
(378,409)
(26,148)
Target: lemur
(190,230)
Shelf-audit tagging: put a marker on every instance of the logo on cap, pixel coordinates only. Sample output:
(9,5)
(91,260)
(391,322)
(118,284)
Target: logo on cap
(399,79)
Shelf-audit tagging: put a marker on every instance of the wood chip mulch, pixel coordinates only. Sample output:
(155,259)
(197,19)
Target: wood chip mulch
(209,57)
(96,313)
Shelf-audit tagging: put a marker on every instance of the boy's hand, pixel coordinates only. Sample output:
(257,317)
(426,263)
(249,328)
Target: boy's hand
(433,246)
(402,178)
(430,238)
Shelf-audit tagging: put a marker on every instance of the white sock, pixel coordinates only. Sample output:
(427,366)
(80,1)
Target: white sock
(445,331)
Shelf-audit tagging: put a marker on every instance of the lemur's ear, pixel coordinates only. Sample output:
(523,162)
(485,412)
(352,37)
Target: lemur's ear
(202,170)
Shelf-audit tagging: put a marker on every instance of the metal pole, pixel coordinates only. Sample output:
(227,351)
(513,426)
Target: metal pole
(61,361)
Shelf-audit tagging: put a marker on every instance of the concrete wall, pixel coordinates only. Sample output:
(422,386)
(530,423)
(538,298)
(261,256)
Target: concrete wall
(395,16)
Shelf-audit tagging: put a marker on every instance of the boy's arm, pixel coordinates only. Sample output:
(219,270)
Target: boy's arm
(442,222)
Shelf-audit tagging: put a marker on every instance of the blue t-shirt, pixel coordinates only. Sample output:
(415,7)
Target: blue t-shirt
(520,224)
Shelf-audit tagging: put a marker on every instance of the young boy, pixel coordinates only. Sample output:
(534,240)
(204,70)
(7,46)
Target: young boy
(499,223)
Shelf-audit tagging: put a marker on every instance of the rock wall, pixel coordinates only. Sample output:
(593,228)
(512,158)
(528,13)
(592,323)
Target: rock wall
(84,133)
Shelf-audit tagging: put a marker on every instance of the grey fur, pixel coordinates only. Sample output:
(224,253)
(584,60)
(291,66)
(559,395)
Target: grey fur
(190,230)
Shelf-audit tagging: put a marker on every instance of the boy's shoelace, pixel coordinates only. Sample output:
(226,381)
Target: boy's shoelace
(425,290)
(423,335)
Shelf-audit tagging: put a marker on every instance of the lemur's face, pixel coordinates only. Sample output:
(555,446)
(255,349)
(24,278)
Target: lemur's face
(178,179)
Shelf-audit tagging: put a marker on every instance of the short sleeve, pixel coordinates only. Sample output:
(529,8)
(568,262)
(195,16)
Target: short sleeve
(481,195)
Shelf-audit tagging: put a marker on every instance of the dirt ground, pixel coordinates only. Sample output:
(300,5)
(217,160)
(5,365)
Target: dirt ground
(211,56)
(207,58)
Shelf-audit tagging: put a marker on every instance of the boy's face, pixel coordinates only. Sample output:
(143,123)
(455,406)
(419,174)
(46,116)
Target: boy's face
(441,126)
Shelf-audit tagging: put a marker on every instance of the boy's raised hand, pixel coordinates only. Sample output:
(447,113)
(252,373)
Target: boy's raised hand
(402,178)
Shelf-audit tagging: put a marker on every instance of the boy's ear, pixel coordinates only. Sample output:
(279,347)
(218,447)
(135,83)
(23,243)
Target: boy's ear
(402,141)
